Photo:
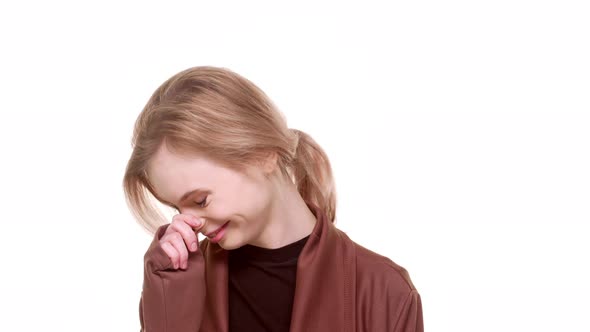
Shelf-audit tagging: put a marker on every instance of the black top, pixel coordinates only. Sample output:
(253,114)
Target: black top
(261,287)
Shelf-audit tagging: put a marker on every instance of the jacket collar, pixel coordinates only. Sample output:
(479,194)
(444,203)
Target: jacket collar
(325,282)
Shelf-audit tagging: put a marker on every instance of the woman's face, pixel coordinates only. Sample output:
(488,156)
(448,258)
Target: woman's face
(222,195)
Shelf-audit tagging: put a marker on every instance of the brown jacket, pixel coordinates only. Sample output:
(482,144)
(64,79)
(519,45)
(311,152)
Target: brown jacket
(340,287)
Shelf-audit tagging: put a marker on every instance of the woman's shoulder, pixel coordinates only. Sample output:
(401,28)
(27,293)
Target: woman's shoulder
(374,268)
(386,298)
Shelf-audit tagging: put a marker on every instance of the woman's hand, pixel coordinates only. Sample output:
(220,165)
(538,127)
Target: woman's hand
(180,237)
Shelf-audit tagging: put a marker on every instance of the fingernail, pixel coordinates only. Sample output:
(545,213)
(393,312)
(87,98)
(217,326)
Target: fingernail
(198,222)
(194,246)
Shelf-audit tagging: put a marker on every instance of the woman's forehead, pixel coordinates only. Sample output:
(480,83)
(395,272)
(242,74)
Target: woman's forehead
(171,174)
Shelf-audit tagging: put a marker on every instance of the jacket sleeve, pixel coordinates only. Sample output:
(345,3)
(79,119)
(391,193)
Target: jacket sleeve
(171,300)
(410,318)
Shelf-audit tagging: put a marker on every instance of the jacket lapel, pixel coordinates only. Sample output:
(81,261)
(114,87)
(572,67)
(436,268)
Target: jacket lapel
(217,312)
(325,283)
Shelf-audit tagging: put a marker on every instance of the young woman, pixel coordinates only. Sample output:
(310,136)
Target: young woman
(212,146)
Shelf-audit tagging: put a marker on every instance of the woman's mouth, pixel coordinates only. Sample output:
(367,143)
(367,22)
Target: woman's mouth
(217,234)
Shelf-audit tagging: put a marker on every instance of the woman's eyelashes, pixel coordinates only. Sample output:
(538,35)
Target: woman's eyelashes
(202,203)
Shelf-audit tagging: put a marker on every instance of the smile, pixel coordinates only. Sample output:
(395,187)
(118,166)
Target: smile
(215,232)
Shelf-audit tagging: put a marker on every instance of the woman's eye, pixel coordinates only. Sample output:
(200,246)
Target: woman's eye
(202,203)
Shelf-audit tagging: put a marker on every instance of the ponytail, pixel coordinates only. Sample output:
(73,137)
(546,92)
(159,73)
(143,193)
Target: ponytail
(312,174)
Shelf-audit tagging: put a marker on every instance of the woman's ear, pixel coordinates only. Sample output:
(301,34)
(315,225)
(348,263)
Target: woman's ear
(270,162)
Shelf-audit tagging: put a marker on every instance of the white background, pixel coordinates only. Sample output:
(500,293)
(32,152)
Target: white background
(458,133)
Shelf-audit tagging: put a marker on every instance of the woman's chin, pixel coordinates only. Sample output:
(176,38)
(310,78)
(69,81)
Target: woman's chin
(228,244)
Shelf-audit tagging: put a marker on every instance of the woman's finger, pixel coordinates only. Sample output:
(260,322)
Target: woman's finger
(171,252)
(193,221)
(187,233)
(178,243)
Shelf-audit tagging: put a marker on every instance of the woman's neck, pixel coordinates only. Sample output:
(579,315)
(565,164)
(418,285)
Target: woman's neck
(290,219)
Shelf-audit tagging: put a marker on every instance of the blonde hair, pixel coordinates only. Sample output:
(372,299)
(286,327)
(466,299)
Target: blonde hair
(217,113)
